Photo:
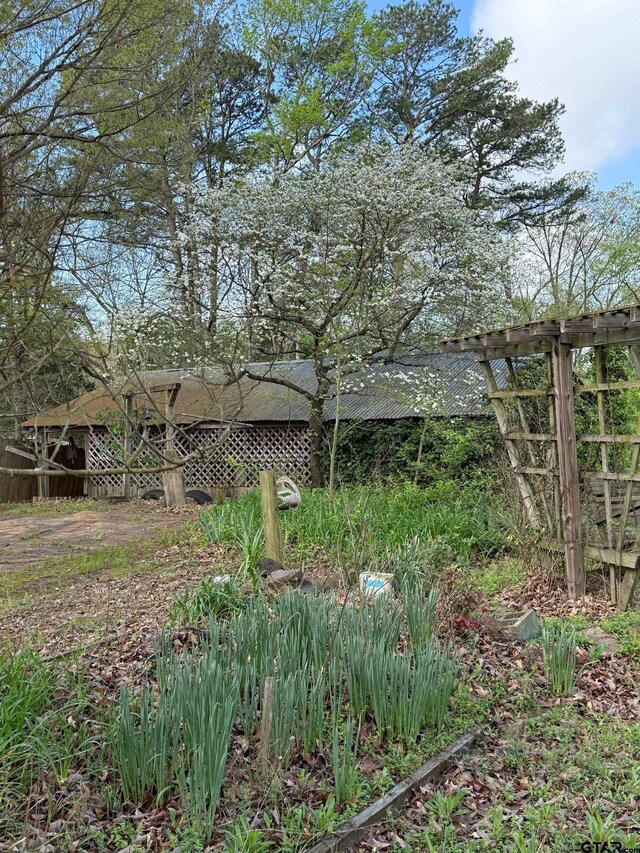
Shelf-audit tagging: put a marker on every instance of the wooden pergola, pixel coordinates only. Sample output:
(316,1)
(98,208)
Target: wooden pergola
(558,497)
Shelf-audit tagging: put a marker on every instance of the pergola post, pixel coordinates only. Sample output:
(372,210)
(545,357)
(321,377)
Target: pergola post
(568,468)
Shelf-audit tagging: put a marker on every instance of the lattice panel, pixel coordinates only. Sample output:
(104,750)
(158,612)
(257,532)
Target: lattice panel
(231,461)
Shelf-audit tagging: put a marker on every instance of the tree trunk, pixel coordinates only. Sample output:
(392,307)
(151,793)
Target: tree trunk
(315,441)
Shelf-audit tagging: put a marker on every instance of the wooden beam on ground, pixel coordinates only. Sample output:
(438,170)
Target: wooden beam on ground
(378,813)
(568,469)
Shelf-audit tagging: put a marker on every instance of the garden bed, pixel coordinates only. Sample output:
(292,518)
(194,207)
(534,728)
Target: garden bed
(344,725)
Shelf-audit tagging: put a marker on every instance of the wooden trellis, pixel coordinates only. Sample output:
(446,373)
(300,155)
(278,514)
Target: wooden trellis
(236,462)
(591,513)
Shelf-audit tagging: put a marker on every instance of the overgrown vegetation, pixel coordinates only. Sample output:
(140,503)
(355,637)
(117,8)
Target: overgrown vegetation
(373,528)
(326,661)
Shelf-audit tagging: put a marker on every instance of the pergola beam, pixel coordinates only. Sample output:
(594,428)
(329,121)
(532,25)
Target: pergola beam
(621,326)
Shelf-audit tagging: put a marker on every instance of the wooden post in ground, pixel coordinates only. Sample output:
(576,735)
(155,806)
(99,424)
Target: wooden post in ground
(270,516)
(43,479)
(173,481)
(266,724)
(568,468)
(128,443)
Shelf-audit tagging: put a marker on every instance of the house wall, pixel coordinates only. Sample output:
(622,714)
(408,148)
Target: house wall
(222,461)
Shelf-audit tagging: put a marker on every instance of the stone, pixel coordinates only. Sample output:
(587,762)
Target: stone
(266,566)
(306,585)
(527,627)
(284,577)
(600,638)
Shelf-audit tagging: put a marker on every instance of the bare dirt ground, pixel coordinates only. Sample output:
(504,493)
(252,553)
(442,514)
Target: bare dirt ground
(42,531)
(94,586)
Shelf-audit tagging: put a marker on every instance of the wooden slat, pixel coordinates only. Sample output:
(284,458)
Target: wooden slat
(604,438)
(626,559)
(530,436)
(552,449)
(604,462)
(607,386)
(524,486)
(516,393)
(535,469)
(613,476)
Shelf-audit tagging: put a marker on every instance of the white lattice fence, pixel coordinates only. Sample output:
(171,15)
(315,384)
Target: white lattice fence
(232,461)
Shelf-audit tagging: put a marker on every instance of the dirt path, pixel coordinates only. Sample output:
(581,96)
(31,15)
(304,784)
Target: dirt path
(31,537)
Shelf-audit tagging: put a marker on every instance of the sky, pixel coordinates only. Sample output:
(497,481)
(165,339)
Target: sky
(586,53)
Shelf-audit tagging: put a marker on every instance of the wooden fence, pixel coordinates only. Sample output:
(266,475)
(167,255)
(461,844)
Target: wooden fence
(14,487)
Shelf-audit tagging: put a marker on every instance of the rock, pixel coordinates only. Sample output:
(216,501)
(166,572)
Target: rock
(266,566)
(328,583)
(306,585)
(527,627)
(600,638)
(284,577)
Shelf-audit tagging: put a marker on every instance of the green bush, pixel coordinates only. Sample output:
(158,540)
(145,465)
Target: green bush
(460,449)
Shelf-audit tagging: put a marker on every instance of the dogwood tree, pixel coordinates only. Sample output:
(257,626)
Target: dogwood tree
(352,262)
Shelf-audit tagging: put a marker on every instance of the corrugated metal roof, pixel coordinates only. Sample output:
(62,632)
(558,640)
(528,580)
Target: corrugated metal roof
(377,392)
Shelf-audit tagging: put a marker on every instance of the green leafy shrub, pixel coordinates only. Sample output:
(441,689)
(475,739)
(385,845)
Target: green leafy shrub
(459,449)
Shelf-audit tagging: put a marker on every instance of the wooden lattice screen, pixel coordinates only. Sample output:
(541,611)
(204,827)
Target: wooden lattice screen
(235,462)
(589,510)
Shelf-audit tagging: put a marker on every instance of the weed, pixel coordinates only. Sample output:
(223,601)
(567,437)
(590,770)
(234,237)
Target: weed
(209,598)
(241,838)
(626,628)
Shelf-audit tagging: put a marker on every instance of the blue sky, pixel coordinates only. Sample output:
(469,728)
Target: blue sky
(585,52)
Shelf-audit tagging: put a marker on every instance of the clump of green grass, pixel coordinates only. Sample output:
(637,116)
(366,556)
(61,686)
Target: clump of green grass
(178,739)
(499,575)
(209,598)
(48,729)
(26,688)
(559,653)
(346,775)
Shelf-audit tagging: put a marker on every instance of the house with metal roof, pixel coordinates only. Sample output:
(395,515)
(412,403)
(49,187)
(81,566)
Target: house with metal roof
(230,423)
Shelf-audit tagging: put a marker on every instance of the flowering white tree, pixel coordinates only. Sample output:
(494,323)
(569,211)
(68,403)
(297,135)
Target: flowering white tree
(347,262)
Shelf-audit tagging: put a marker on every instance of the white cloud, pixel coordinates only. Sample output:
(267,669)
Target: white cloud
(586,53)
